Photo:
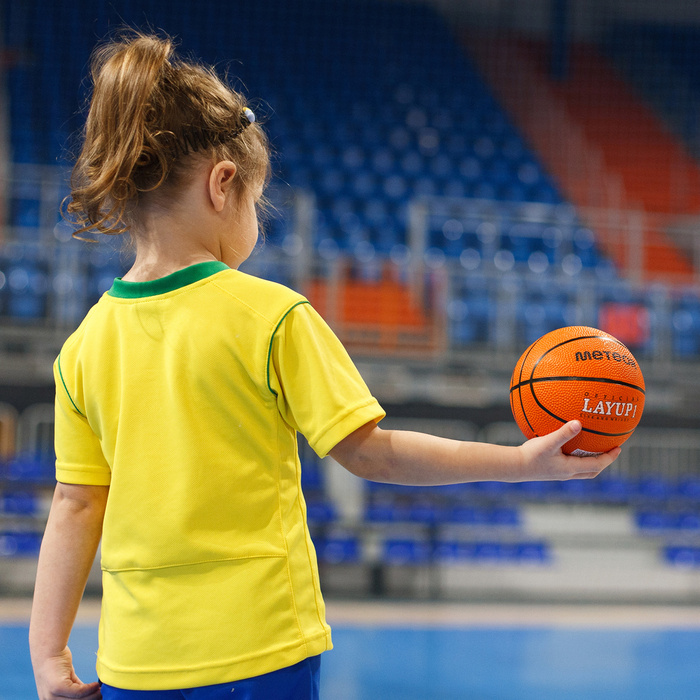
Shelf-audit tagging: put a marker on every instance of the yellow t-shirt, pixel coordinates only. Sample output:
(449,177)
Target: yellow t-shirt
(185,395)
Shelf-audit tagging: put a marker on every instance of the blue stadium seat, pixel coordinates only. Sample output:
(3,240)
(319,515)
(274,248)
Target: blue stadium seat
(338,549)
(19,543)
(25,213)
(657,521)
(397,552)
(653,521)
(104,265)
(320,511)
(19,503)
(689,489)
(653,488)
(480,516)
(426,511)
(685,320)
(614,490)
(534,553)
(686,557)
(27,287)
(31,468)
(534,490)
(311,475)
(492,552)
(386,512)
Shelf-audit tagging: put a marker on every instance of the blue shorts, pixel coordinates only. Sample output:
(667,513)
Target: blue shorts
(298,682)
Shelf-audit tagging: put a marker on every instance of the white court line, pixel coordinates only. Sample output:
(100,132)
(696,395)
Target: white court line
(452,615)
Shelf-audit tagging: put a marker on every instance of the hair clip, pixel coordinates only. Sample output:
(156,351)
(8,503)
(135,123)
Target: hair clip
(249,115)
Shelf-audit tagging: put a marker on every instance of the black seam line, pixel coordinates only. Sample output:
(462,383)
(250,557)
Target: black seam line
(573,340)
(520,393)
(602,432)
(585,430)
(581,337)
(562,420)
(577,379)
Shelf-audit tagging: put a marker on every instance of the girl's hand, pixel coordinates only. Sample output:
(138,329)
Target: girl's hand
(542,458)
(56,678)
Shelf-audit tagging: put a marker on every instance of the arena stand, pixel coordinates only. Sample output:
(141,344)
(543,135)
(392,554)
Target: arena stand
(420,210)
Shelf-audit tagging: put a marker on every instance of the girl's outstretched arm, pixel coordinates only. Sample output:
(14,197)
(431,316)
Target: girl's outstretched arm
(68,549)
(419,459)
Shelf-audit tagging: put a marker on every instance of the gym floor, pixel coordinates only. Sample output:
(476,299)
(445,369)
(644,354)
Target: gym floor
(449,651)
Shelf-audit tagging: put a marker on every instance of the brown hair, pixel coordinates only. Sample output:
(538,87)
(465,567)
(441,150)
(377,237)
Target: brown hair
(150,112)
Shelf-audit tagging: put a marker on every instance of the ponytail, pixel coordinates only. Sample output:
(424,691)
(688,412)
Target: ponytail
(148,114)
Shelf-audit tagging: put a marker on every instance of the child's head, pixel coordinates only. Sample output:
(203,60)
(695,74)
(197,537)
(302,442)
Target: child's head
(153,117)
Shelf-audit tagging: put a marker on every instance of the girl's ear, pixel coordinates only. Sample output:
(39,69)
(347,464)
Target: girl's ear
(221,183)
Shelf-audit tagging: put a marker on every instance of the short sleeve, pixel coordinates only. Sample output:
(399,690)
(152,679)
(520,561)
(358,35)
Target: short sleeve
(320,392)
(79,458)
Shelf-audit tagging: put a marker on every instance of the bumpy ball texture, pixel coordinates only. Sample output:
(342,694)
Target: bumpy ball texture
(580,373)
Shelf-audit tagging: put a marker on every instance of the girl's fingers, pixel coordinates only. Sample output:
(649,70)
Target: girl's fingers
(561,436)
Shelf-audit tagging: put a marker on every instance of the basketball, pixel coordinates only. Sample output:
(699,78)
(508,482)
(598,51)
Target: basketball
(578,373)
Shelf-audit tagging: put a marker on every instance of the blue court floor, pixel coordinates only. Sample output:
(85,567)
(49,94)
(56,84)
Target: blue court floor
(394,658)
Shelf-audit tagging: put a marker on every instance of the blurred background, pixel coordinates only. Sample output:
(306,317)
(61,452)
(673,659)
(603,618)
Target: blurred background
(453,179)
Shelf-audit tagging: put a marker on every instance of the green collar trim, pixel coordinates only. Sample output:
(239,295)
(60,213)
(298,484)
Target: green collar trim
(169,283)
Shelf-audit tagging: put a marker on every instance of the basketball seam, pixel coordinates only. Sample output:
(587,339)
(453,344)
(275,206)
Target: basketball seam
(520,384)
(585,430)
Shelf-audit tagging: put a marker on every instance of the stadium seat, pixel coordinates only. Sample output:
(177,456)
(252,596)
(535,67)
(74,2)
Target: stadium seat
(19,543)
(338,549)
(685,557)
(402,552)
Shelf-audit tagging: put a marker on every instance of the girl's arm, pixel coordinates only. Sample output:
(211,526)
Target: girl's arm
(403,457)
(68,550)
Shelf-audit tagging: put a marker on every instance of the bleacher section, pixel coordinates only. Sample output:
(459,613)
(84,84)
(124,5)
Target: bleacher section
(416,212)
(383,109)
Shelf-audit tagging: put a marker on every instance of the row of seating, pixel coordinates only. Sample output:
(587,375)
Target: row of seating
(662,521)
(682,557)
(20,543)
(32,469)
(485,306)
(411,552)
(424,511)
(683,493)
(481,502)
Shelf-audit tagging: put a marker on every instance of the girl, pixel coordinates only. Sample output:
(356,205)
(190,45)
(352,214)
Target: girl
(178,402)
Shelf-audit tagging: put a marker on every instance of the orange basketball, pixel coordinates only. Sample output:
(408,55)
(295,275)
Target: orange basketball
(578,373)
